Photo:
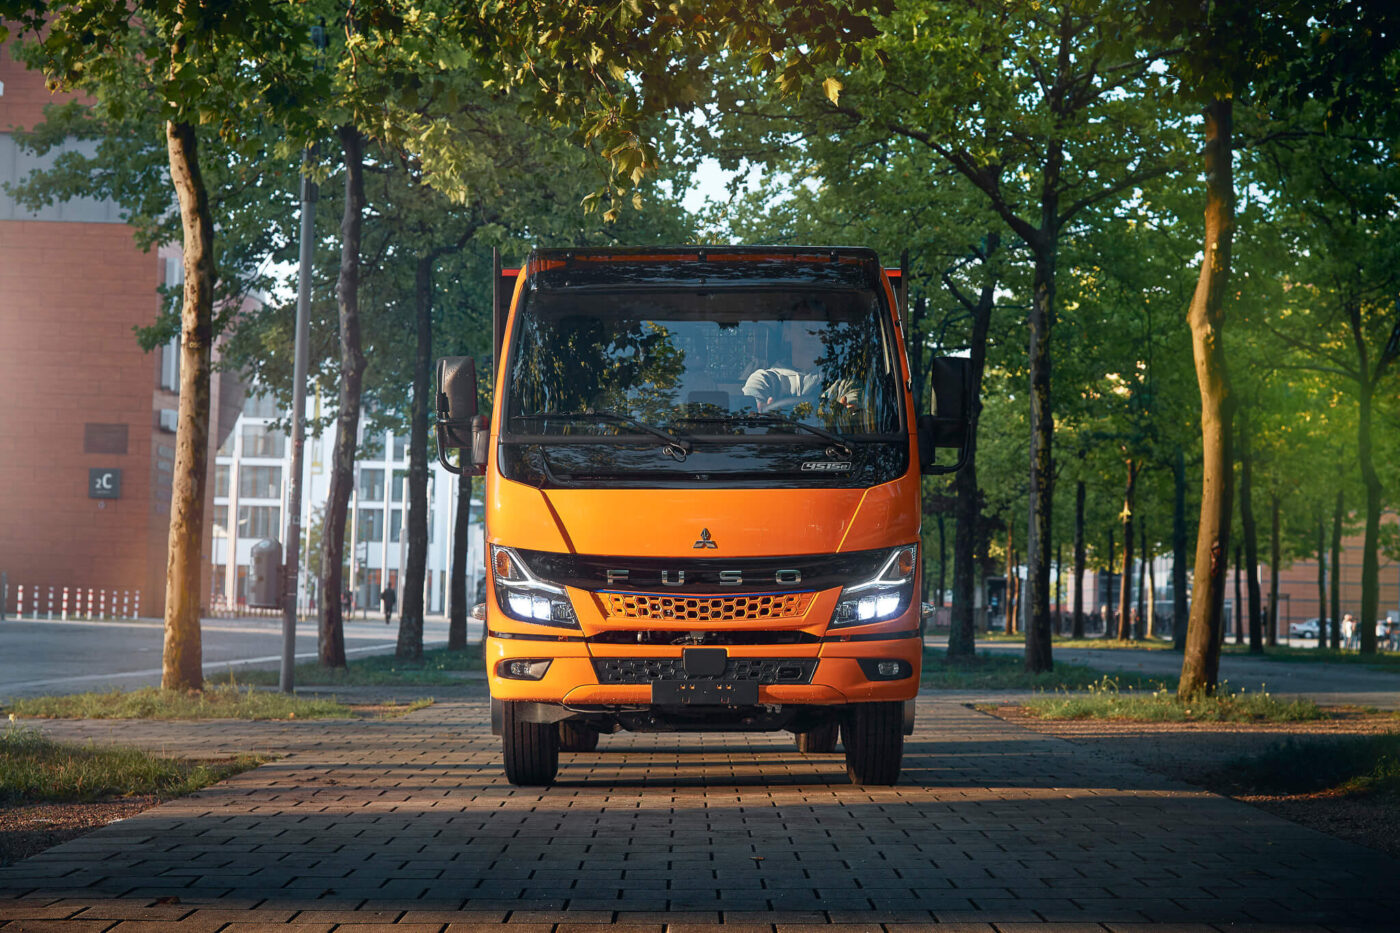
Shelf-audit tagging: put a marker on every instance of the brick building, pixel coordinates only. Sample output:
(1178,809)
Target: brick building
(87,441)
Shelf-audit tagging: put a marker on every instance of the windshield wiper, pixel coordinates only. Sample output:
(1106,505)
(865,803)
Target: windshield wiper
(769,417)
(676,448)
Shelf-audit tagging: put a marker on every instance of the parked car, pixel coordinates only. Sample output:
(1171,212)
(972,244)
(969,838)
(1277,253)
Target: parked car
(1305,629)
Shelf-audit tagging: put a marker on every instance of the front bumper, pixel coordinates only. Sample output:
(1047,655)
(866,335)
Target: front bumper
(821,670)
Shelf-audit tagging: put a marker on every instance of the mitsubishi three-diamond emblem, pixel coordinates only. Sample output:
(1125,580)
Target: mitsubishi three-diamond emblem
(705,541)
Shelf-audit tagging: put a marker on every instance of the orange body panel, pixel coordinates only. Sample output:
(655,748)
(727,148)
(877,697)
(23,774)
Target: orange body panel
(651,523)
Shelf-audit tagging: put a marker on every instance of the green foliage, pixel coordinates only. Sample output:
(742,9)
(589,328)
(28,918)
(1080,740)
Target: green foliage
(438,667)
(996,671)
(222,701)
(1338,766)
(34,768)
(1110,698)
(1285,653)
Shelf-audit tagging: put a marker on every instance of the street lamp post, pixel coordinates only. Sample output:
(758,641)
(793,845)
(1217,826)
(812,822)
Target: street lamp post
(292,559)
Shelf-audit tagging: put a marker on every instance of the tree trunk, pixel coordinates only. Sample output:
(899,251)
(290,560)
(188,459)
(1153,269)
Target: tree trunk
(1125,584)
(1200,668)
(1239,601)
(461,524)
(1079,560)
(967,511)
(1337,514)
(1179,609)
(1109,627)
(1370,558)
(1143,561)
(1321,583)
(347,419)
(410,641)
(1275,550)
(1151,617)
(1013,581)
(182,663)
(1059,588)
(1251,540)
(1038,651)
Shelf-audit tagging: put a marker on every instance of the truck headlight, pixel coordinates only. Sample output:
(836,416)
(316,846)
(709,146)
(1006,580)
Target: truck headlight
(524,596)
(883,596)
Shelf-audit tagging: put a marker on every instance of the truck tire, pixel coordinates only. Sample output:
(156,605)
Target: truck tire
(873,734)
(820,740)
(577,737)
(530,749)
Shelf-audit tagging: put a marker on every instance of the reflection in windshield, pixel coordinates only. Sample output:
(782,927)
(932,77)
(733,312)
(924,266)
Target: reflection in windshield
(666,356)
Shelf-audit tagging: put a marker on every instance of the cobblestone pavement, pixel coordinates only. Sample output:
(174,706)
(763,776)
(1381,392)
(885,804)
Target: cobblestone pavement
(410,822)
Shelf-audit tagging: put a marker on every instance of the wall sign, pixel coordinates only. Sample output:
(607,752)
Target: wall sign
(104,483)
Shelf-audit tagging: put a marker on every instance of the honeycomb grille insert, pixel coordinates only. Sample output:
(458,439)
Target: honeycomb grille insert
(646,670)
(662,608)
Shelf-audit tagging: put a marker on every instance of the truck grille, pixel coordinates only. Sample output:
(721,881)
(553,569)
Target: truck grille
(661,608)
(763,670)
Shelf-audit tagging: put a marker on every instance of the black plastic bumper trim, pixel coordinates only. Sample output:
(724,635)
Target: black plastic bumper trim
(522,637)
(875,636)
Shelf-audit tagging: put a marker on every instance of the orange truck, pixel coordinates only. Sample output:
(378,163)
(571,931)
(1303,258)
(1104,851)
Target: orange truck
(702,500)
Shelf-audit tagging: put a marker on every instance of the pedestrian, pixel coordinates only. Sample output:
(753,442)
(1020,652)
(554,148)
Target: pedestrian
(388,598)
(1348,631)
(347,602)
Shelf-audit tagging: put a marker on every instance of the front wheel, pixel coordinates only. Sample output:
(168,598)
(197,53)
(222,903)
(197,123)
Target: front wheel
(819,740)
(873,734)
(530,749)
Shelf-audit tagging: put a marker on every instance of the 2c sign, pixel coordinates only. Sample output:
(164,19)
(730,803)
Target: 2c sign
(104,483)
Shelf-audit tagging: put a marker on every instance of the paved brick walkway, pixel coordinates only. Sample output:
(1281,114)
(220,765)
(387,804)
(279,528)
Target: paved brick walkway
(410,822)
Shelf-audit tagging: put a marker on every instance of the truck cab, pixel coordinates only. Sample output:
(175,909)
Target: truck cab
(702,493)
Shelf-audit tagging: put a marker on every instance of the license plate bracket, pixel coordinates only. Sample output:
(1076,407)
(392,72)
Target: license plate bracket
(704,692)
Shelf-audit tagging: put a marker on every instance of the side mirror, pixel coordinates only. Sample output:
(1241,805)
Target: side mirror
(950,403)
(458,424)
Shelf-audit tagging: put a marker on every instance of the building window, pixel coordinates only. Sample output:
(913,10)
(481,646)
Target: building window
(170,365)
(395,525)
(260,482)
(104,438)
(262,441)
(400,446)
(372,485)
(259,521)
(371,444)
(397,491)
(221,521)
(221,480)
(370,526)
(261,406)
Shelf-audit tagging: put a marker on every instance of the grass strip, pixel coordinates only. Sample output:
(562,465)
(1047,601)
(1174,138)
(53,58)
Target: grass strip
(34,769)
(1381,661)
(1352,765)
(996,671)
(1058,641)
(438,667)
(224,701)
(1110,698)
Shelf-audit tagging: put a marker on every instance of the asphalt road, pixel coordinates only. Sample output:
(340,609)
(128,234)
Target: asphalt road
(40,657)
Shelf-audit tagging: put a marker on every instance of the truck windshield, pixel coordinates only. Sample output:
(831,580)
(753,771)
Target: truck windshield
(744,383)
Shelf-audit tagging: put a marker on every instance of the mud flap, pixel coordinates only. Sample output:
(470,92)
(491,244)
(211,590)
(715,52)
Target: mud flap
(526,711)
(909,717)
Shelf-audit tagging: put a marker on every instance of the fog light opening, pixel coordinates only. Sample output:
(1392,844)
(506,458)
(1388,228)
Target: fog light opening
(522,669)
